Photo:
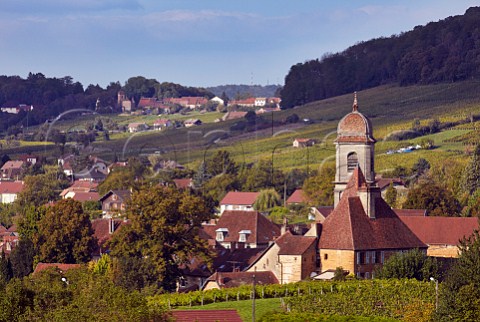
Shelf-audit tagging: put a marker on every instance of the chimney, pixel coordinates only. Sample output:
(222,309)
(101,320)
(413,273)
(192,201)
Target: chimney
(283,230)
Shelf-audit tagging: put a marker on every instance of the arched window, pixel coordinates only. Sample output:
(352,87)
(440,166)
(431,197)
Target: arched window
(352,161)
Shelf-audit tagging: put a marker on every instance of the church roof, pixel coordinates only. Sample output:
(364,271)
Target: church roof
(349,228)
(355,127)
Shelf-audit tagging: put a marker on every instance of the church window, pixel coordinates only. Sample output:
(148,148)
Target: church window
(352,161)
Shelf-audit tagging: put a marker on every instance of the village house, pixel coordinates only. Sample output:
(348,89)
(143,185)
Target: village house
(191,102)
(12,169)
(103,230)
(114,202)
(137,127)
(125,104)
(29,159)
(248,102)
(162,124)
(397,183)
(183,183)
(62,268)
(8,239)
(237,200)
(291,258)
(218,100)
(264,110)
(242,229)
(192,122)
(66,162)
(302,143)
(9,190)
(17,109)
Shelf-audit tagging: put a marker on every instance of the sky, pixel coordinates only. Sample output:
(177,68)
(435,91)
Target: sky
(195,42)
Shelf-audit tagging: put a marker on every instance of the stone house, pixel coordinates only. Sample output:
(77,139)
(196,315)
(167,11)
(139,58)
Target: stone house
(114,202)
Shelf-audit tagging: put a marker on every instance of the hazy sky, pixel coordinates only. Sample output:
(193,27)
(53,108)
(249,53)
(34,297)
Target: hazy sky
(195,42)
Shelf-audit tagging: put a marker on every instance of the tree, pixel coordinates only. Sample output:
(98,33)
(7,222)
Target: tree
(471,174)
(42,188)
(436,200)
(319,188)
(163,234)
(391,196)
(472,209)
(267,199)
(120,178)
(221,163)
(412,264)
(22,258)
(65,234)
(460,292)
(420,167)
(6,272)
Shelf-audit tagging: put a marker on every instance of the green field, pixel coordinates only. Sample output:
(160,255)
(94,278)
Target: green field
(390,108)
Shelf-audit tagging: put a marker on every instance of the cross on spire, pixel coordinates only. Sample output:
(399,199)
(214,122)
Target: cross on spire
(355,103)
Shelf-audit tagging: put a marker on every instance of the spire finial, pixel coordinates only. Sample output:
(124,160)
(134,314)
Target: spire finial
(355,103)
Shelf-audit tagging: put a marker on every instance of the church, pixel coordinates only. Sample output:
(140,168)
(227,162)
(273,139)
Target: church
(362,231)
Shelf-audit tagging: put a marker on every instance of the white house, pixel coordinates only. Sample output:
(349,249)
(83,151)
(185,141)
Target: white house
(9,190)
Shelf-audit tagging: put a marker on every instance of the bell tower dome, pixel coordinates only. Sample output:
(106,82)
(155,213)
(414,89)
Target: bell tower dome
(355,145)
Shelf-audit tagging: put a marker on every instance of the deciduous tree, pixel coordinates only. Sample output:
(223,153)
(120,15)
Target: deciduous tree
(65,234)
(163,233)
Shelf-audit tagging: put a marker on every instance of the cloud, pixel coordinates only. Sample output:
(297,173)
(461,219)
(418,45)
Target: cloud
(52,7)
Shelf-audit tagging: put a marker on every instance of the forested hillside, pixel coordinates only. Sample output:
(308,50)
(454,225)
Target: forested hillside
(443,51)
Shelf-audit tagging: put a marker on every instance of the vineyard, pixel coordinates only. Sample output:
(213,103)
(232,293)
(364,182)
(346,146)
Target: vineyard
(395,299)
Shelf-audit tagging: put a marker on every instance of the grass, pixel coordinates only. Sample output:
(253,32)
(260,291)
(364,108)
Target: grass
(244,308)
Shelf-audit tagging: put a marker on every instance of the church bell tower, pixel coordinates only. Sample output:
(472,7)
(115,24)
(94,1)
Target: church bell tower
(355,146)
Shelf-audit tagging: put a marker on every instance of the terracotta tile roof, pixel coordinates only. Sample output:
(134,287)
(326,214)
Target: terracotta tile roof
(239,198)
(12,228)
(206,316)
(441,230)
(294,244)
(2,229)
(297,197)
(349,227)
(81,186)
(11,186)
(183,183)
(101,231)
(86,196)
(325,211)
(12,164)
(262,230)
(410,212)
(62,267)
(235,279)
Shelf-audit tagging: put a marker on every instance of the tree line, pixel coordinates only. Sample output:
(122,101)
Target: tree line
(443,51)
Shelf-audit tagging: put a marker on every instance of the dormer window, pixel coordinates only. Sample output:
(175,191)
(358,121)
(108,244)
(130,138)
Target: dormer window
(243,234)
(221,234)
(352,161)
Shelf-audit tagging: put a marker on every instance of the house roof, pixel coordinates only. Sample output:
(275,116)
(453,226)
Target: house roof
(123,195)
(303,140)
(294,244)
(233,115)
(262,229)
(136,124)
(225,260)
(325,211)
(383,183)
(2,229)
(235,279)
(161,122)
(12,228)
(298,196)
(80,186)
(206,315)
(12,164)
(85,196)
(11,187)
(183,183)
(101,230)
(441,230)
(410,212)
(62,267)
(239,198)
(349,227)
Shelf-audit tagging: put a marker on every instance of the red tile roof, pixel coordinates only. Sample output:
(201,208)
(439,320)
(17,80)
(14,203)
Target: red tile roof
(235,279)
(206,316)
(2,229)
(183,183)
(262,230)
(383,183)
(441,230)
(349,227)
(12,164)
(62,267)
(410,212)
(294,244)
(11,186)
(297,197)
(86,196)
(239,198)
(101,231)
